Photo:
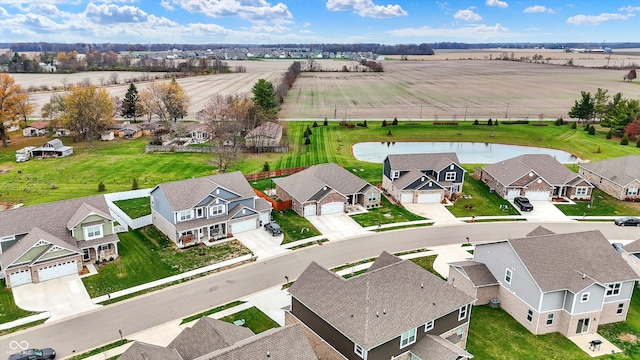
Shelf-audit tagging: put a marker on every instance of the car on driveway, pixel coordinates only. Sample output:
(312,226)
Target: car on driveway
(273,229)
(523,203)
(627,221)
(34,354)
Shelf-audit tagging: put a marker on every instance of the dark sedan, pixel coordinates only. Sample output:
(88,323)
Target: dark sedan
(627,221)
(34,354)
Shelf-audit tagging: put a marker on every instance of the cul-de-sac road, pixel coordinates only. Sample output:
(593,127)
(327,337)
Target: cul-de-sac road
(92,329)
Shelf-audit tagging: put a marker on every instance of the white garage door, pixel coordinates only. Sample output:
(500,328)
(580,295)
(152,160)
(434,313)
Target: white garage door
(537,195)
(241,226)
(332,208)
(513,193)
(406,198)
(265,218)
(20,278)
(57,270)
(309,209)
(429,198)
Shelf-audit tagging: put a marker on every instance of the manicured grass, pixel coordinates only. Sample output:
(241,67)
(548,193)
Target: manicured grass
(150,247)
(482,202)
(211,311)
(254,319)
(100,350)
(426,262)
(387,213)
(292,226)
(602,205)
(8,309)
(135,208)
(622,334)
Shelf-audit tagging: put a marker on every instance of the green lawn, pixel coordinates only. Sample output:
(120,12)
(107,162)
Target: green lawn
(254,319)
(602,205)
(8,309)
(426,262)
(135,208)
(388,213)
(292,226)
(147,255)
(482,202)
(211,311)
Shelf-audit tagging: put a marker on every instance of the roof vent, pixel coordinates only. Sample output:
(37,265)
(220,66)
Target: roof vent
(584,276)
(324,188)
(377,315)
(384,311)
(421,285)
(530,174)
(268,353)
(434,304)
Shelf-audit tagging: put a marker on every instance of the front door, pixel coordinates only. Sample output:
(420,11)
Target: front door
(583,326)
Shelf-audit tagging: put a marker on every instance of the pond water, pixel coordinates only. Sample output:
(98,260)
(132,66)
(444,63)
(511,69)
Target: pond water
(468,152)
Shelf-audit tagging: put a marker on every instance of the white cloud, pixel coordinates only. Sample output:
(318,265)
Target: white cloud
(467,15)
(253,10)
(630,8)
(306,24)
(498,3)
(106,14)
(366,8)
(597,19)
(166,5)
(538,9)
(3,12)
(473,32)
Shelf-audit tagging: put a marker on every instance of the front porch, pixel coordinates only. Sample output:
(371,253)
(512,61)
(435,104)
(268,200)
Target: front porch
(199,235)
(100,252)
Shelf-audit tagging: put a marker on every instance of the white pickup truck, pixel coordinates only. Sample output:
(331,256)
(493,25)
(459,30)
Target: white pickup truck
(24,154)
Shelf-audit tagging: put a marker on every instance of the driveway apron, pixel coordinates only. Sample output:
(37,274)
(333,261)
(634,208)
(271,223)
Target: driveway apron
(261,243)
(336,226)
(434,211)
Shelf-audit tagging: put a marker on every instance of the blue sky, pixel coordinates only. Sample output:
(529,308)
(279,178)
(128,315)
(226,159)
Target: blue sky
(318,21)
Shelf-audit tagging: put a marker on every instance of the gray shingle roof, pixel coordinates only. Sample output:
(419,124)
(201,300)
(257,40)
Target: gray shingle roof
(432,161)
(184,194)
(144,351)
(83,211)
(207,335)
(571,261)
(477,272)
(285,343)
(632,247)
(436,348)
(544,165)
(380,304)
(19,248)
(621,170)
(305,184)
(540,230)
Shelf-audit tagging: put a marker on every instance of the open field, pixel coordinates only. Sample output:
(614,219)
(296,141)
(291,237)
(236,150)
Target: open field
(445,90)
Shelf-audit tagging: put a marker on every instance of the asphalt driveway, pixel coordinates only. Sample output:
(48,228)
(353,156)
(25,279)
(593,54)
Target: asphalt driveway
(61,297)
(336,226)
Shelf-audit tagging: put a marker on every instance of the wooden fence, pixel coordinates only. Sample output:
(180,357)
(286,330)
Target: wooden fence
(273,173)
(277,205)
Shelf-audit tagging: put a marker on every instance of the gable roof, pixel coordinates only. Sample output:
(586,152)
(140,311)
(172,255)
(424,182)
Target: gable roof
(207,335)
(539,230)
(39,124)
(267,129)
(285,343)
(82,212)
(143,351)
(632,247)
(476,272)
(621,170)
(24,245)
(55,143)
(544,165)
(304,184)
(429,161)
(199,127)
(571,261)
(380,304)
(436,348)
(185,194)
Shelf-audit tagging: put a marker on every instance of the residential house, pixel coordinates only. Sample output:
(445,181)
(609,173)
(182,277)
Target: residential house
(52,148)
(195,210)
(326,189)
(631,254)
(211,339)
(268,134)
(151,127)
(536,177)
(567,283)
(36,128)
(130,131)
(618,177)
(47,241)
(395,310)
(62,132)
(422,178)
(199,132)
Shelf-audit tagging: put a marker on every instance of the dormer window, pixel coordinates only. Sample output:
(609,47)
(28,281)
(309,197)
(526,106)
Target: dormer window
(93,232)
(215,210)
(395,174)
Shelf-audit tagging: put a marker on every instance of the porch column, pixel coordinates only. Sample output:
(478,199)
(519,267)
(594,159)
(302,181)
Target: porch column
(115,248)
(97,251)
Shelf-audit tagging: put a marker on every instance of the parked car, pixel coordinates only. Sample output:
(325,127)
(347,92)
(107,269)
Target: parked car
(523,203)
(34,354)
(273,229)
(618,247)
(627,221)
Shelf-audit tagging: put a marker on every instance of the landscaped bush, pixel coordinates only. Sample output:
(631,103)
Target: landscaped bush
(445,123)
(624,140)
(558,122)
(609,134)
(307,141)
(592,130)
(326,122)
(395,121)
(347,124)
(134,184)
(315,124)
(476,122)
(574,125)
(515,122)
(490,122)
(587,127)
(384,123)
(101,187)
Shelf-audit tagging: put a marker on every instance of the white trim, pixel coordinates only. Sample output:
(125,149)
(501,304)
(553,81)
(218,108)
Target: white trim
(529,316)
(584,297)
(581,190)
(550,317)
(447,175)
(182,215)
(508,274)
(90,232)
(358,350)
(429,325)
(462,313)
(614,288)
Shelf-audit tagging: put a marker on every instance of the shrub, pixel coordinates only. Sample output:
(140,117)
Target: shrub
(495,122)
(307,141)
(266,167)
(587,127)
(638,143)
(384,123)
(598,150)
(490,122)
(475,122)
(515,122)
(574,125)
(365,123)
(609,134)
(389,133)
(558,122)
(134,184)
(101,187)
(326,122)
(592,130)
(315,124)
(309,130)
(395,121)
(624,140)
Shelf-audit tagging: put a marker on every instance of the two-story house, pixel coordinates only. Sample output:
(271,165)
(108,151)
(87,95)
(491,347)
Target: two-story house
(47,241)
(326,189)
(395,310)
(567,283)
(211,207)
(422,178)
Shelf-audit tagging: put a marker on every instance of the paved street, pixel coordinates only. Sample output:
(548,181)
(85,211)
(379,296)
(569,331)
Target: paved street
(102,326)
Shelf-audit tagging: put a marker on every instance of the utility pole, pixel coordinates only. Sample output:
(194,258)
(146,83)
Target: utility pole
(422,103)
(506,114)
(335,111)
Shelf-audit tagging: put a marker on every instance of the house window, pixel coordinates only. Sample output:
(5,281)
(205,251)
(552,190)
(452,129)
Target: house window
(632,191)
(199,212)
(216,210)
(104,247)
(581,191)
(408,338)
(358,350)
(184,215)
(584,298)
(613,289)
(620,309)
(462,313)
(93,232)
(529,315)
(508,275)
(450,176)
(395,174)
(372,197)
(428,326)
(549,319)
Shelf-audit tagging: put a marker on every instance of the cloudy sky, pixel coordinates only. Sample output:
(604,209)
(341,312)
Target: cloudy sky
(318,21)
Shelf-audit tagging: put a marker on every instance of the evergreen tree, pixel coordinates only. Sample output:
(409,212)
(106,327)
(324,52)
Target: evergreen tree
(131,108)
